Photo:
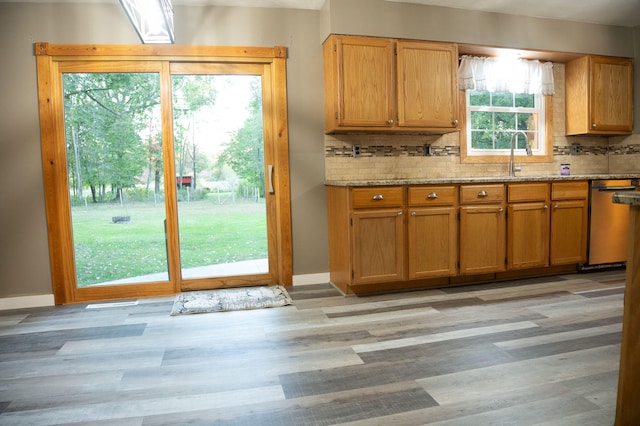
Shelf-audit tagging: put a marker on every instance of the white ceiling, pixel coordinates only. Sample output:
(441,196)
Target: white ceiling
(608,12)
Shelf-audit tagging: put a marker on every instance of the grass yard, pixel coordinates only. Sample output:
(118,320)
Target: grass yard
(210,233)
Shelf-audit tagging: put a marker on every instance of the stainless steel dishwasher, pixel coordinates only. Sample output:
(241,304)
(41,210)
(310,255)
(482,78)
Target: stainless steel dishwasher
(608,224)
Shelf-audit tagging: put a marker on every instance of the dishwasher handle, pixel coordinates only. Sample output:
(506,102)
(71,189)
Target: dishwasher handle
(614,188)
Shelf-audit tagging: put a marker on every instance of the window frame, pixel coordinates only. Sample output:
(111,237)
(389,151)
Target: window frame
(502,156)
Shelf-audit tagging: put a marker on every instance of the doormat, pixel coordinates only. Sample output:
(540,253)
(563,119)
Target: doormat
(230,299)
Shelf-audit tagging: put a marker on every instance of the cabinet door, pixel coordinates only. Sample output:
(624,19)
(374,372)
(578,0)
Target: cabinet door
(427,84)
(568,232)
(378,245)
(432,242)
(528,235)
(482,239)
(611,94)
(365,93)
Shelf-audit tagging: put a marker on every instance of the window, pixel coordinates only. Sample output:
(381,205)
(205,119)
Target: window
(502,98)
(493,118)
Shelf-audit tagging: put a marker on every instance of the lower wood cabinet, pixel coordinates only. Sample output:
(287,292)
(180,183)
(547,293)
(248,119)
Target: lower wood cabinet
(482,239)
(482,229)
(569,217)
(528,225)
(432,232)
(378,245)
(399,237)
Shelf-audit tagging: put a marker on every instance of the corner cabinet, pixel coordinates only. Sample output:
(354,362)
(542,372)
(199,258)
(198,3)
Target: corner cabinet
(388,85)
(599,96)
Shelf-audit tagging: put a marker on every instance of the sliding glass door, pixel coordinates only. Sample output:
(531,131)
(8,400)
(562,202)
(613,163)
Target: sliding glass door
(220,171)
(169,178)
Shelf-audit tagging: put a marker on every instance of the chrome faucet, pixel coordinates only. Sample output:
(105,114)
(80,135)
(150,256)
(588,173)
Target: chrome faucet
(512,167)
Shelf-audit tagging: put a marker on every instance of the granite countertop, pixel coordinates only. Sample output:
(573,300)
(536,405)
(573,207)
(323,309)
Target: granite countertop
(476,179)
(630,198)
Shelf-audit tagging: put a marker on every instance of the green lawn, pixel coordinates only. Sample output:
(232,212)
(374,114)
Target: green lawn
(210,233)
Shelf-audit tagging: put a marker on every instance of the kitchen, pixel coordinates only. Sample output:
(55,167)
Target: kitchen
(26,274)
(312,154)
(375,151)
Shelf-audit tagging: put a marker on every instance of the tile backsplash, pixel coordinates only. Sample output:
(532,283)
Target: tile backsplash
(388,156)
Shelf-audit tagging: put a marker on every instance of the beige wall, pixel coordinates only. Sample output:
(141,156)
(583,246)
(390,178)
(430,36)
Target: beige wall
(24,262)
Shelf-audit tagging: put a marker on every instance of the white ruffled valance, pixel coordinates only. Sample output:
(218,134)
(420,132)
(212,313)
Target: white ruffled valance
(505,75)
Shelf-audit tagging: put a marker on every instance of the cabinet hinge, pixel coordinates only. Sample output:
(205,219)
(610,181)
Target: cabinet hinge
(335,47)
(336,115)
(351,221)
(353,274)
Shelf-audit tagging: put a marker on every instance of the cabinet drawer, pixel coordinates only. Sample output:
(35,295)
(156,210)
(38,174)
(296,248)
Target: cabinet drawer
(527,192)
(432,195)
(389,196)
(569,190)
(481,194)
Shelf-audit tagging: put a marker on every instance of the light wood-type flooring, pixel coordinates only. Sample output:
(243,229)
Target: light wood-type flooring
(539,351)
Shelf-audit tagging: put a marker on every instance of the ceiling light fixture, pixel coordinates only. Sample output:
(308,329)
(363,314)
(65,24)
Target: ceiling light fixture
(152,19)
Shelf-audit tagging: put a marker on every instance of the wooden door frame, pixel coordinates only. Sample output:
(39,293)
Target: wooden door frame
(48,56)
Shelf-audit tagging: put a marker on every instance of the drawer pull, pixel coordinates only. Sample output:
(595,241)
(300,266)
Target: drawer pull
(482,194)
(414,214)
(432,195)
(377,197)
(500,210)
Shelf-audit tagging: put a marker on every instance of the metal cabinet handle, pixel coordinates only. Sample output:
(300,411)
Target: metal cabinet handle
(390,122)
(399,213)
(594,125)
(413,213)
(500,210)
(432,195)
(556,207)
(454,122)
(377,197)
(482,194)
(546,207)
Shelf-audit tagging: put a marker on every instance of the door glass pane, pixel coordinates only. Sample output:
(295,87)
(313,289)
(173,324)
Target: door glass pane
(114,161)
(220,180)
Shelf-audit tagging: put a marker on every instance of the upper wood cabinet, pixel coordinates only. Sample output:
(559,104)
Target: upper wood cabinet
(427,84)
(380,84)
(599,96)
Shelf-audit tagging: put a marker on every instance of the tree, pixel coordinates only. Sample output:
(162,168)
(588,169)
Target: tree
(191,93)
(106,115)
(245,152)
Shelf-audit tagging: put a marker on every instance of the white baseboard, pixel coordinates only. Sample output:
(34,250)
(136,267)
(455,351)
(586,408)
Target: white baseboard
(310,279)
(8,303)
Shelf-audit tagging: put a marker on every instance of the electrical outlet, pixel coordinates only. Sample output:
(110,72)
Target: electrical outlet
(575,149)
(356,151)
(427,150)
